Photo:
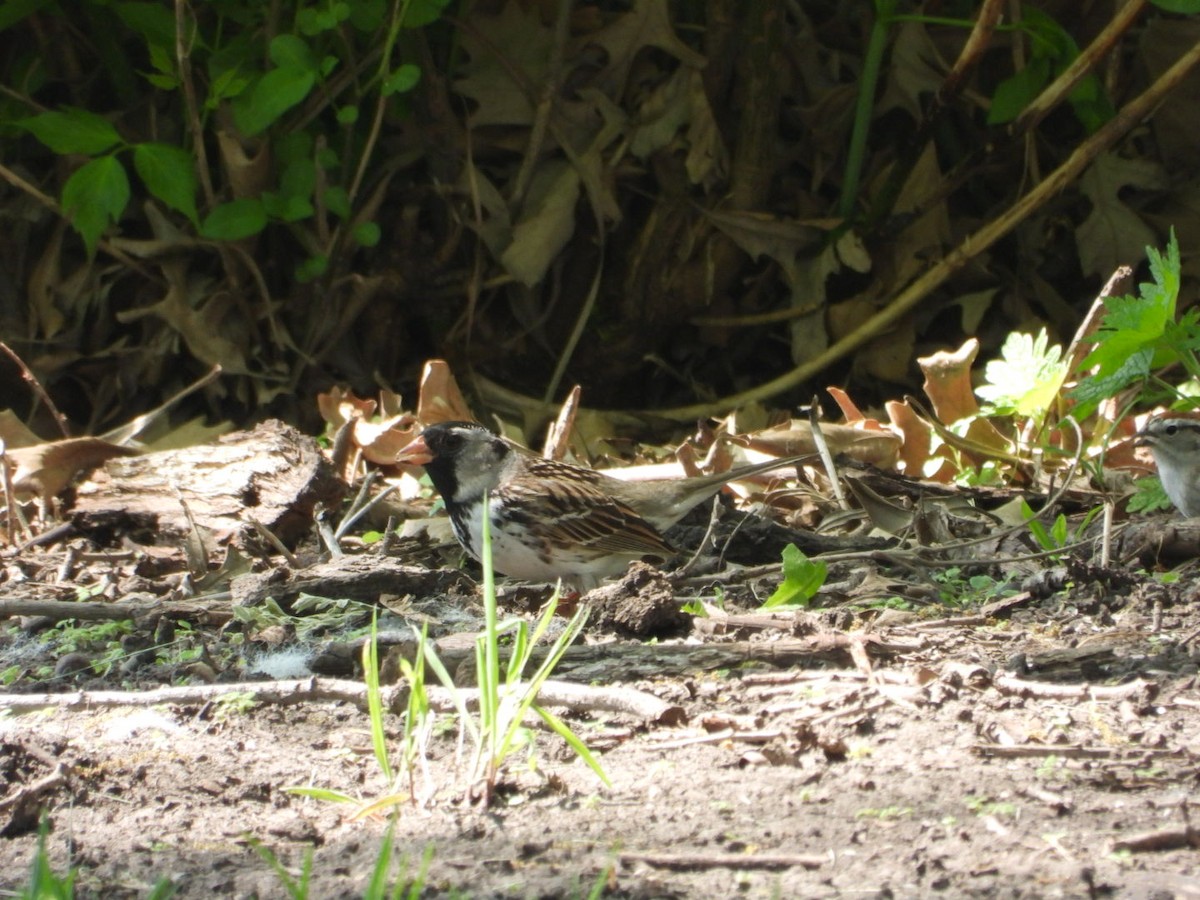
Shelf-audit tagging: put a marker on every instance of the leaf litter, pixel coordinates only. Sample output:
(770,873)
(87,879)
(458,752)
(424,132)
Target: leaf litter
(883,737)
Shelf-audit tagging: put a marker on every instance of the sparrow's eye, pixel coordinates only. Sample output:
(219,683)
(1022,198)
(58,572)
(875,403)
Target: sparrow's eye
(1171,430)
(452,441)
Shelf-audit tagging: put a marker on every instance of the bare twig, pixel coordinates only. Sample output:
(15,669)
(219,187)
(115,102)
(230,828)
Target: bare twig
(728,860)
(36,386)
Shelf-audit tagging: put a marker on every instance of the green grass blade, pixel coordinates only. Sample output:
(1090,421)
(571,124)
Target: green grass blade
(563,730)
(370,653)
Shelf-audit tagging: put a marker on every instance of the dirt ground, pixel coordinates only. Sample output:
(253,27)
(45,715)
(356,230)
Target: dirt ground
(1047,746)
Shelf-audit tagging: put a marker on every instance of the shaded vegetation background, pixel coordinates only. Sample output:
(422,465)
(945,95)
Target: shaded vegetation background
(666,202)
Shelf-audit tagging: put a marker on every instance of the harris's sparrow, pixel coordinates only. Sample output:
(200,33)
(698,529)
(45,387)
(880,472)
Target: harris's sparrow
(552,519)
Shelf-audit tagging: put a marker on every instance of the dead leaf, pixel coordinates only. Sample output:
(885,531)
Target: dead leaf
(917,438)
(497,46)
(339,405)
(875,447)
(14,433)
(546,224)
(1113,234)
(440,399)
(197,315)
(45,470)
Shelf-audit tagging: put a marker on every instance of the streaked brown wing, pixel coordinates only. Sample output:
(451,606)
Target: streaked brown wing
(578,512)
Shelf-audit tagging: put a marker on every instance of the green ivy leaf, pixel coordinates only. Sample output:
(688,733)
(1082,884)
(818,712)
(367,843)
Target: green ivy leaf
(169,174)
(367,234)
(274,94)
(287,207)
(802,578)
(1017,91)
(154,21)
(95,196)
(420,13)
(402,80)
(367,15)
(289,50)
(235,220)
(312,268)
(337,201)
(73,131)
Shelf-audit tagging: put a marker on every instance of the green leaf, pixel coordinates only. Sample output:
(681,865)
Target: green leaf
(299,179)
(337,201)
(327,158)
(420,13)
(1184,7)
(288,50)
(347,115)
(402,80)
(1136,335)
(95,196)
(367,15)
(1026,379)
(367,234)
(170,175)
(1148,496)
(1018,91)
(274,94)
(73,131)
(153,21)
(13,11)
(235,220)
(802,578)
(312,269)
(227,83)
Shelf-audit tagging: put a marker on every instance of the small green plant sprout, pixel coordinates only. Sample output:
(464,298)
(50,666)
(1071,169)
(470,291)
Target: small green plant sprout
(957,589)
(885,813)
(43,883)
(1148,496)
(699,606)
(1059,534)
(1139,335)
(297,888)
(984,806)
(802,578)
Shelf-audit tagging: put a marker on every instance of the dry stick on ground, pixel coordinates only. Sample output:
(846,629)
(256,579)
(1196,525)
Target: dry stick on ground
(212,609)
(1007,684)
(727,860)
(576,697)
(1067,751)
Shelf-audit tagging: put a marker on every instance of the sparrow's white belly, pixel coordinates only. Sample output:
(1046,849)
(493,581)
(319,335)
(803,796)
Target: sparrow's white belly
(518,555)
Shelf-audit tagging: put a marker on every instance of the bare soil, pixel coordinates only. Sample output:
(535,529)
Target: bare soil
(1049,748)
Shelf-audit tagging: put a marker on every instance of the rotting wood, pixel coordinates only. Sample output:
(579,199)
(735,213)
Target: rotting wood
(273,473)
(363,578)
(205,611)
(630,662)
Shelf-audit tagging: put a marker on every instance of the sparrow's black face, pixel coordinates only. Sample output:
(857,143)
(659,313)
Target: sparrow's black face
(463,459)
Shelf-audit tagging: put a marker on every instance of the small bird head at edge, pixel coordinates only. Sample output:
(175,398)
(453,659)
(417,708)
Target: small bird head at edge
(461,458)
